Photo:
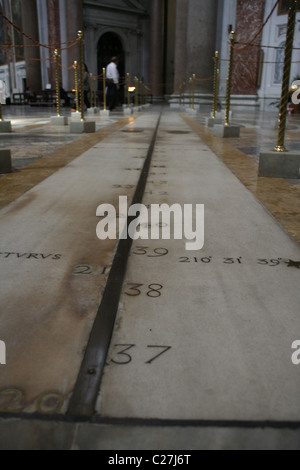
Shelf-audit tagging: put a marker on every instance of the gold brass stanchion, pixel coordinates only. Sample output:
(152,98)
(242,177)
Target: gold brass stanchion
(81,126)
(184,91)
(229,79)
(286,77)
(141,93)
(190,85)
(92,89)
(193,90)
(95,92)
(80,36)
(75,66)
(216,85)
(104,88)
(56,55)
(136,82)
(180,94)
(128,92)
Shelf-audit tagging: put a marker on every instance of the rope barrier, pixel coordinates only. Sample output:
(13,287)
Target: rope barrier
(264,62)
(123,80)
(50,46)
(258,32)
(37,43)
(269,47)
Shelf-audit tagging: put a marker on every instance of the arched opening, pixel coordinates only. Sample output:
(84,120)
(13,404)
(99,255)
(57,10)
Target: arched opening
(110,45)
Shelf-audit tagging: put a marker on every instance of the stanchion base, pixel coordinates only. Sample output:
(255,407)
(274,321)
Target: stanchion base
(211,122)
(5,126)
(59,121)
(279,165)
(75,116)
(222,115)
(137,109)
(226,131)
(5,161)
(191,111)
(82,127)
(127,111)
(104,113)
(92,111)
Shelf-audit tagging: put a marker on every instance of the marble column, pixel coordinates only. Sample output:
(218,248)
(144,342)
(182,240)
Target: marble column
(201,42)
(157,48)
(196,26)
(74,23)
(54,34)
(180,43)
(30,27)
(250,16)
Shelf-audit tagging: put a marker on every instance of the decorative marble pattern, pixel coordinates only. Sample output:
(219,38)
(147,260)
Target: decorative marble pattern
(246,61)
(54,33)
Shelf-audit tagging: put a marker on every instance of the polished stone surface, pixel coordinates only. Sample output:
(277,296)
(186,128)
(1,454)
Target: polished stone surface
(280,196)
(197,324)
(200,337)
(249,20)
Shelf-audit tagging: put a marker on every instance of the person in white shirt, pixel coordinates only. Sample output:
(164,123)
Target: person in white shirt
(112,77)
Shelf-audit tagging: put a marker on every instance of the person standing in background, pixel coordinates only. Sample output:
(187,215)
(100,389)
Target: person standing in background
(112,77)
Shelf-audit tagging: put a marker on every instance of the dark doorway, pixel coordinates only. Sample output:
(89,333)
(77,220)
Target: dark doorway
(110,45)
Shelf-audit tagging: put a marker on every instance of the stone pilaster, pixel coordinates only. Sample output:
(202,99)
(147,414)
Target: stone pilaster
(31,54)
(201,41)
(196,25)
(180,43)
(74,21)
(157,48)
(54,34)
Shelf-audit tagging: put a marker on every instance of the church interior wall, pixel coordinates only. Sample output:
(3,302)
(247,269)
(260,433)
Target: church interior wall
(205,21)
(170,27)
(274,34)
(130,29)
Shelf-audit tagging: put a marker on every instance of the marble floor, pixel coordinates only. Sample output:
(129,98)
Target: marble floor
(33,138)
(194,356)
(259,133)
